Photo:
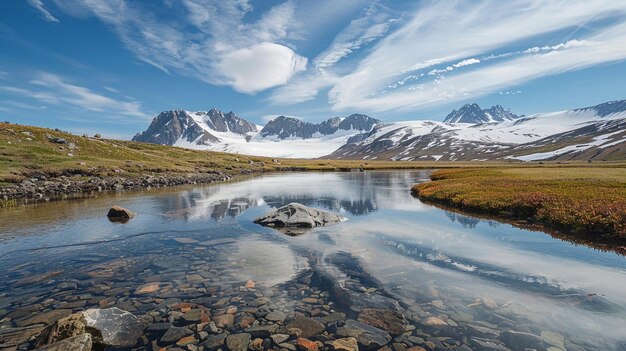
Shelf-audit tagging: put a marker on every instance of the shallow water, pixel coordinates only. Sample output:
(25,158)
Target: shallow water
(467,271)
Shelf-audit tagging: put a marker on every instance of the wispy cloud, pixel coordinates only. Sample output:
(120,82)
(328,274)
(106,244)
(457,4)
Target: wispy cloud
(209,40)
(38,4)
(54,89)
(371,25)
(453,32)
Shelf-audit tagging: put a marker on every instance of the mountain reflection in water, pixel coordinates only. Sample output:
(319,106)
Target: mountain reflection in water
(471,272)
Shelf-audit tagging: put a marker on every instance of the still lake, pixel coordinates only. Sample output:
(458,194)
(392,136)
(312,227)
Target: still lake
(478,277)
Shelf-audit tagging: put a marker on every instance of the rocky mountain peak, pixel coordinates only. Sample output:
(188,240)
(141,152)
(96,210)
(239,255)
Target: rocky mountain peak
(472,113)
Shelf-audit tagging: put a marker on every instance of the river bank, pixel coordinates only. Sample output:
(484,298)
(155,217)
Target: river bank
(580,202)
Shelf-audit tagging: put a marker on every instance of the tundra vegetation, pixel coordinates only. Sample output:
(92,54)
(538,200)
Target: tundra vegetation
(590,201)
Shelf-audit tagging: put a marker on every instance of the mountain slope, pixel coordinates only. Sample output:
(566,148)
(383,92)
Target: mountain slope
(540,136)
(282,137)
(469,133)
(184,128)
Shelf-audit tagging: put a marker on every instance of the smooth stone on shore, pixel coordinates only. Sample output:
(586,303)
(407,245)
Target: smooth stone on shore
(388,320)
(120,213)
(238,342)
(250,284)
(345,344)
(118,328)
(308,326)
(80,342)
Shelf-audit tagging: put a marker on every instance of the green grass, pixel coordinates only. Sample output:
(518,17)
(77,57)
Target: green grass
(21,158)
(578,200)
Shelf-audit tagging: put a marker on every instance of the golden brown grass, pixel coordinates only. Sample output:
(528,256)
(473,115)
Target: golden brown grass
(586,200)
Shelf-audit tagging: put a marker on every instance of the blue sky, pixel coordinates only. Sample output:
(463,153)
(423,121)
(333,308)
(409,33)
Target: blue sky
(109,66)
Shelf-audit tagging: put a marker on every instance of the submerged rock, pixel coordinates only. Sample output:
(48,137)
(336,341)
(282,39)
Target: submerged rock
(388,320)
(105,327)
(80,342)
(118,328)
(366,335)
(120,214)
(293,218)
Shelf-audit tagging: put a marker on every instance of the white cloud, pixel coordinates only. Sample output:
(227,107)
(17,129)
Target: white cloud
(38,4)
(200,41)
(240,68)
(447,32)
(372,24)
(54,89)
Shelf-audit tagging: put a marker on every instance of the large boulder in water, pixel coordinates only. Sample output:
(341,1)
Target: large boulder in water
(120,214)
(293,218)
(117,327)
(105,327)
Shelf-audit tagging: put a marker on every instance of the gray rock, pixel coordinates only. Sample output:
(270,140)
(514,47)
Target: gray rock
(388,320)
(308,326)
(299,216)
(118,328)
(276,316)
(238,342)
(488,345)
(214,341)
(158,327)
(519,341)
(117,213)
(368,336)
(76,343)
(174,334)
(279,338)
(482,332)
(262,331)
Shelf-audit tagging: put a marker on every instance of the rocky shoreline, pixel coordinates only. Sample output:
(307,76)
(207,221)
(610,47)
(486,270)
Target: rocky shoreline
(46,188)
(198,302)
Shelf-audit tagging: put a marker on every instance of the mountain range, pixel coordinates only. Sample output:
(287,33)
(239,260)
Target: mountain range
(468,134)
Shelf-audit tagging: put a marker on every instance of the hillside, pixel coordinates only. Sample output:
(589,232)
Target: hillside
(42,163)
(467,134)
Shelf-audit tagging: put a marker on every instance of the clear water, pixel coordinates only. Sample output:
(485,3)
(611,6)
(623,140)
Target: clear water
(421,255)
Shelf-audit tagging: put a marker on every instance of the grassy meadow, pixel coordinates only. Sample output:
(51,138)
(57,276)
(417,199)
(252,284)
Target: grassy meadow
(587,200)
(27,151)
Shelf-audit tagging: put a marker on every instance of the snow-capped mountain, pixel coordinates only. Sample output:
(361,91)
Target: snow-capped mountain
(281,137)
(284,127)
(469,133)
(180,127)
(472,113)
(571,134)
